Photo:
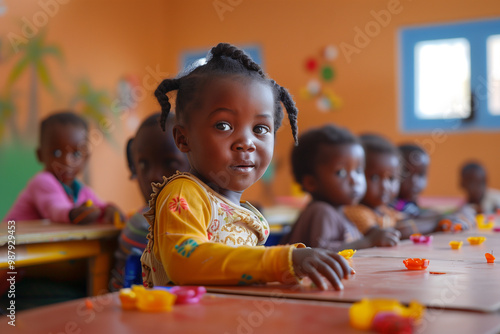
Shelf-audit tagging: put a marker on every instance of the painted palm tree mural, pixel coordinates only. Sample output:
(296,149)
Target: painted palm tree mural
(33,59)
(95,105)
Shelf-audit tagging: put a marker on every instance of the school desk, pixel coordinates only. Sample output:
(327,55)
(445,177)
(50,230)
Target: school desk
(217,313)
(455,279)
(41,241)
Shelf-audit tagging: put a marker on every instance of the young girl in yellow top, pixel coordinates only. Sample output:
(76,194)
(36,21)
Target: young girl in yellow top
(227,114)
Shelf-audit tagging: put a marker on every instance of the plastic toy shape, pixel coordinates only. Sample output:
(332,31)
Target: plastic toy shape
(418,238)
(362,313)
(482,224)
(489,258)
(149,300)
(416,264)
(456,244)
(89,203)
(347,253)
(186,294)
(476,240)
(387,322)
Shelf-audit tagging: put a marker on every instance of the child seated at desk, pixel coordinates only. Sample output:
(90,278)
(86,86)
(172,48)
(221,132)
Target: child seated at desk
(329,164)
(227,115)
(414,168)
(382,184)
(151,154)
(55,193)
(474,181)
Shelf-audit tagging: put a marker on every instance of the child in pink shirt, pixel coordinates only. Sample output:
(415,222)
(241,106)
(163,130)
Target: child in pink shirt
(55,193)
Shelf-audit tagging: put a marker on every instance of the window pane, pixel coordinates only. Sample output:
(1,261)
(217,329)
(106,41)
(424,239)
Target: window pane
(493,50)
(442,79)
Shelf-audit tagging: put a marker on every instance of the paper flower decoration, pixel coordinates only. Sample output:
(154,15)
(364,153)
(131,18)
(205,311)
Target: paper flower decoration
(456,244)
(476,240)
(416,264)
(489,258)
(311,64)
(347,253)
(331,52)
(363,313)
(418,238)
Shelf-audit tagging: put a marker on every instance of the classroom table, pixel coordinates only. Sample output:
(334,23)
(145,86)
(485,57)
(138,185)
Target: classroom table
(455,279)
(218,313)
(41,241)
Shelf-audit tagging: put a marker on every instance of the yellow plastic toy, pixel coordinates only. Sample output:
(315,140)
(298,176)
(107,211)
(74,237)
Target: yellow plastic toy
(456,244)
(482,224)
(476,240)
(149,300)
(89,203)
(361,314)
(347,253)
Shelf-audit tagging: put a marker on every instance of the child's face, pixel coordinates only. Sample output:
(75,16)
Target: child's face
(64,152)
(382,179)
(474,183)
(340,178)
(229,138)
(155,155)
(413,176)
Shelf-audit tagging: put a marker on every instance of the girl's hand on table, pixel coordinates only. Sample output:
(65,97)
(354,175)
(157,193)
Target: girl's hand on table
(316,263)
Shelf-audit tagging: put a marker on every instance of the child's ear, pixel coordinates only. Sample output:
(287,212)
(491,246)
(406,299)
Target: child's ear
(181,139)
(309,183)
(130,161)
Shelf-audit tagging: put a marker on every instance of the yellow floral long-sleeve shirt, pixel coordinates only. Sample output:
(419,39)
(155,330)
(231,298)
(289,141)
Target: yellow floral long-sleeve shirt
(197,236)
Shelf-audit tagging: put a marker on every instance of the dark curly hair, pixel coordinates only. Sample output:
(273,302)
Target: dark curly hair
(222,60)
(305,155)
(65,117)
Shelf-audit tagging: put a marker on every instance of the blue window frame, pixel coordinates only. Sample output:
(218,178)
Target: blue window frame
(471,86)
(192,57)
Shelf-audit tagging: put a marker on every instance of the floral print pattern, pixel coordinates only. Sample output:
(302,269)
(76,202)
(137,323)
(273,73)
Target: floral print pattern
(177,204)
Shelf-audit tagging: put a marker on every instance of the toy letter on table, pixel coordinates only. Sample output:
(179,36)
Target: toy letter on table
(482,224)
(159,299)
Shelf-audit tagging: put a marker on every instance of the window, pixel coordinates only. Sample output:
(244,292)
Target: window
(450,76)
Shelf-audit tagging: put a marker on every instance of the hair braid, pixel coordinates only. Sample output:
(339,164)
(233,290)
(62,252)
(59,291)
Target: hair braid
(228,50)
(165,86)
(291,109)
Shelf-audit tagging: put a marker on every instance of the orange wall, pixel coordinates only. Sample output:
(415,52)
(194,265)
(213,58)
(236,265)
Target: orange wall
(104,40)
(291,31)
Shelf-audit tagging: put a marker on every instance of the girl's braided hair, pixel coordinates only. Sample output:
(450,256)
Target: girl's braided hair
(223,60)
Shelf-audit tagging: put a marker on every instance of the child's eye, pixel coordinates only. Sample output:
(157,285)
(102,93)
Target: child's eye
(77,154)
(57,153)
(223,126)
(261,129)
(341,173)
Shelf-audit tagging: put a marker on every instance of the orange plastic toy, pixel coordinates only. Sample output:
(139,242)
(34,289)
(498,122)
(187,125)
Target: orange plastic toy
(489,258)
(416,264)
